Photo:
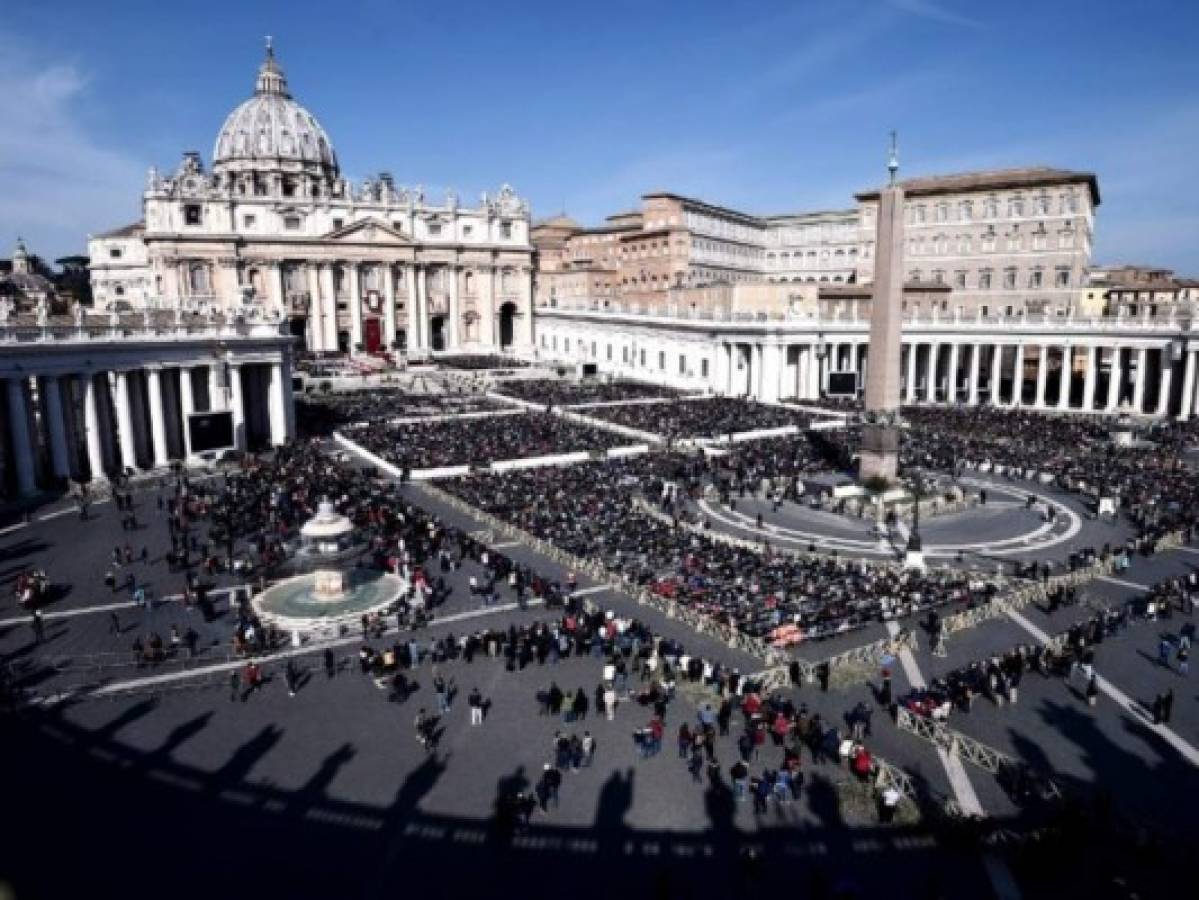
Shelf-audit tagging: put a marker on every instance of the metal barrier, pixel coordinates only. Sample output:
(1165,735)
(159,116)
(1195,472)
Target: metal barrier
(853,666)
(962,746)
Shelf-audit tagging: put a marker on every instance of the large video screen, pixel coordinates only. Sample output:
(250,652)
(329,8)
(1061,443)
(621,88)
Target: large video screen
(210,431)
(843,384)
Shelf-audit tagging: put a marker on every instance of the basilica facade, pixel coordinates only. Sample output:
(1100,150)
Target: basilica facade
(273,228)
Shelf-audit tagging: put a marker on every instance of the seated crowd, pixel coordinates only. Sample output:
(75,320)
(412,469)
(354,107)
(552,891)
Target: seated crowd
(562,392)
(708,417)
(1153,485)
(474,362)
(322,414)
(457,442)
(589,510)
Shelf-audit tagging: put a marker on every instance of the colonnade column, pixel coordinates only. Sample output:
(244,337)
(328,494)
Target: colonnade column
(974,367)
(1018,377)
(158,432)
(1088,384)
(1188,386)
(1063,400)
(124,402)
(328,306)
(238,407)
(951,391)
(18,415)
(1166,382)
(996,372)
(91,424)
(187,405)
(913,352)
(1042,376)
(277,401)
(355,307)
(1114,379)
(1138,385)
(60,461)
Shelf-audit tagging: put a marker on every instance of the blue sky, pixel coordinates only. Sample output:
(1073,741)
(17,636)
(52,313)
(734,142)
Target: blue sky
(763,106)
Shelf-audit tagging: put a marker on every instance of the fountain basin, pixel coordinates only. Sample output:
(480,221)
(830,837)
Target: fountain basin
(310,601)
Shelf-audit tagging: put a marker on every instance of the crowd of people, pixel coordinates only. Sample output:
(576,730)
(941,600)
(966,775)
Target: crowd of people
(456,442)
(321,414)
(1151,481)
(589,510)
(476,362)
(707,417)
(558,392)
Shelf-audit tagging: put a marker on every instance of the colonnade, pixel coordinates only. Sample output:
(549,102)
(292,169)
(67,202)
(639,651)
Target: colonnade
(85,409)
(1101,365)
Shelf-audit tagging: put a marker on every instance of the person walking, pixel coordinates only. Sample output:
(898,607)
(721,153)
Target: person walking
(234,685)
(114,623)
(1167,709)
(291,674)
(476,707)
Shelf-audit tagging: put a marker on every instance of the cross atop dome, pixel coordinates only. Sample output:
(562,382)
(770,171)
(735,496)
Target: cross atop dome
(270,76)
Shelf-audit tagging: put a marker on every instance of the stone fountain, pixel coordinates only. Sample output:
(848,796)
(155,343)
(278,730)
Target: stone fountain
(331,588)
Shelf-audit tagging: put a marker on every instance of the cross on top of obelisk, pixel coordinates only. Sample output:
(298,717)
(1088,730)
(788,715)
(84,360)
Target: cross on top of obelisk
(893,158)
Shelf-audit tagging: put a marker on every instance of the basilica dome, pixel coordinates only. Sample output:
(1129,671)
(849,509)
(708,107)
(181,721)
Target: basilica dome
(271,129)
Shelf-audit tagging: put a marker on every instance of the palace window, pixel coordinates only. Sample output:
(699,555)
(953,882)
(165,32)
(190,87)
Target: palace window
(703,368)
(959,280)
(291,223)
(984,280)
(467,230)
(114,253)
(506,230)
(337,223)
(191,214)
(1009,279)
(1035,278)
(247,222)
(434,229)
(1061,278)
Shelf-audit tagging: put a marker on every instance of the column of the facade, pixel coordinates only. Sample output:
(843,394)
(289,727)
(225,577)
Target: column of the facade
(313,326)
(1113,385)
(56,428)
(913,352)
(930,378)
(328,307)
(1089,379)
(951,387)
(526,305)
(1138,385)
(996,373)
(972,387)
(280,293)
(801,372)
(454,337)
(22,445)
(389,305)
(91,424)
(123,398)
(355,284)
(1188,386)
(814,373)
(158,432)
(416,294)
(1166,380)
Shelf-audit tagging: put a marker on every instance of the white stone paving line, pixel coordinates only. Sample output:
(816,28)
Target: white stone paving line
(1002,883)
(1186,750)
(1120,581)
(963,790)
(118,687)
(85,610)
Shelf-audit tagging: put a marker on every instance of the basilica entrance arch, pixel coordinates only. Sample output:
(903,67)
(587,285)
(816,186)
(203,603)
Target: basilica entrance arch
(507,323)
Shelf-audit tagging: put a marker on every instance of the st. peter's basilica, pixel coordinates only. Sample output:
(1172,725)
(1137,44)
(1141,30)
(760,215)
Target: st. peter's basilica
(274,228)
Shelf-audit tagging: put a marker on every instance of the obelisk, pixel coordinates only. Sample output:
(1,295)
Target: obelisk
(879,455)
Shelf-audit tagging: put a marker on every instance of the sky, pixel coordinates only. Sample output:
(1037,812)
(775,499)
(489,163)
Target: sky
(763,106)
